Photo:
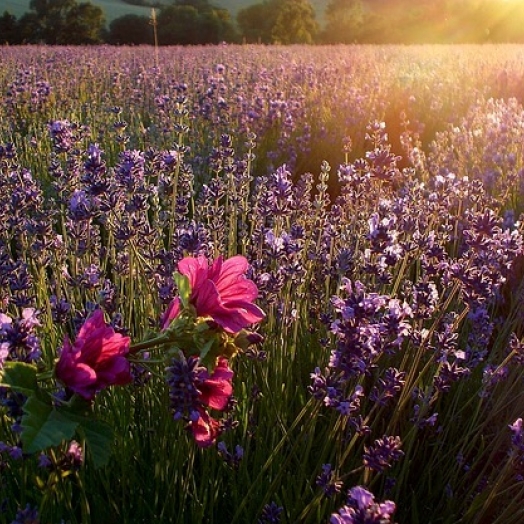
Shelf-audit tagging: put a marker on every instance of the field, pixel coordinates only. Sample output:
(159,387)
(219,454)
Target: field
(252,284)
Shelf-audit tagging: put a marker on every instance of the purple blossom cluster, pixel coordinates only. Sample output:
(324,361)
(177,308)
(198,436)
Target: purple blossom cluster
(328,481)
(383,453)
(361,507)
(517,449)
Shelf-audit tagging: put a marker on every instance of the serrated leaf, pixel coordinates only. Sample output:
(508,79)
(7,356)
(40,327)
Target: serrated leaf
(44,426)
(98,437)
(19,376)
(184,288)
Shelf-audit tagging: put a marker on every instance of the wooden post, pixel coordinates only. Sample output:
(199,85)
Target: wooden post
(153,22)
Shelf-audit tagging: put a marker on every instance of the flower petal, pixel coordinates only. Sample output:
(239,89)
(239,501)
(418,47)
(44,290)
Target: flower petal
(205,430)
(240,290)
(94,322)
(172,311)
(238,316)
(215,269)
(232,268)
(216,391)
(114,372)
(196,269)
(79,378)
(207,300)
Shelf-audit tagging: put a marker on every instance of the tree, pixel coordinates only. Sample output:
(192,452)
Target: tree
(130,30)
(216,24)
(178,25)
(84,23)
(199,5)
(185,24)
(295,23)
(29,29)
(9,31)
(62,22)
(256,22)
(344,21)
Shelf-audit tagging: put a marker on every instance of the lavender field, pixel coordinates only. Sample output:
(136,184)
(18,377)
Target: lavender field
(261,285)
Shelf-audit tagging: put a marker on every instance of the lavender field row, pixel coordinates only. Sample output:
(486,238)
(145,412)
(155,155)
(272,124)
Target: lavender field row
(248,284)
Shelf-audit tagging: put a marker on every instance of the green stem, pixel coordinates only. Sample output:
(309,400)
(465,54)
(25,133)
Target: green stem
(148,344)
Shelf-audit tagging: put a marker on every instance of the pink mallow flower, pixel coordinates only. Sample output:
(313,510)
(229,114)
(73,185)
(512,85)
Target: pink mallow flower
(193,390)
(219,290)
(96,360)
(214,392)
(205,429)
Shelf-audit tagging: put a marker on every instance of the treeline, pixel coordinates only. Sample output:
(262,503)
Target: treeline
(186,22)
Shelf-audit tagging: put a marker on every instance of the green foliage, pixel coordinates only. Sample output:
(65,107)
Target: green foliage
(84,23)
(256,22)
(59,22)
(130,29)
(344,21)
(282,22)
(98,437)
(43,426)
(19,376)
(199,5)
(185,24)
(9,31)
(184,288)
(295,23)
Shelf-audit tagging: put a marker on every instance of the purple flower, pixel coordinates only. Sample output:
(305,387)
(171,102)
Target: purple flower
(270,514)
(232,459)
(384,451)
(62,135)
(517,437)
(192,390)
(81,206)
(18,340)
(74,455)
(517,451)
(44,461)
(388,387)
(28,515)
(361,508)
(449,373)
(328,481)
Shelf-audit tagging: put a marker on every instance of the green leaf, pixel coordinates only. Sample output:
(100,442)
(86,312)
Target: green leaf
(98,437)
(184,288)
(77,406)
(205,356)
(43,425)
(19,376)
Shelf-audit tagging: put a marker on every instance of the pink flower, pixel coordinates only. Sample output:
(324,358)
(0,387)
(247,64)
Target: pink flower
(205,429)
(215,393)
(96,360)
(192,390)
(220,291)
(216,390)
